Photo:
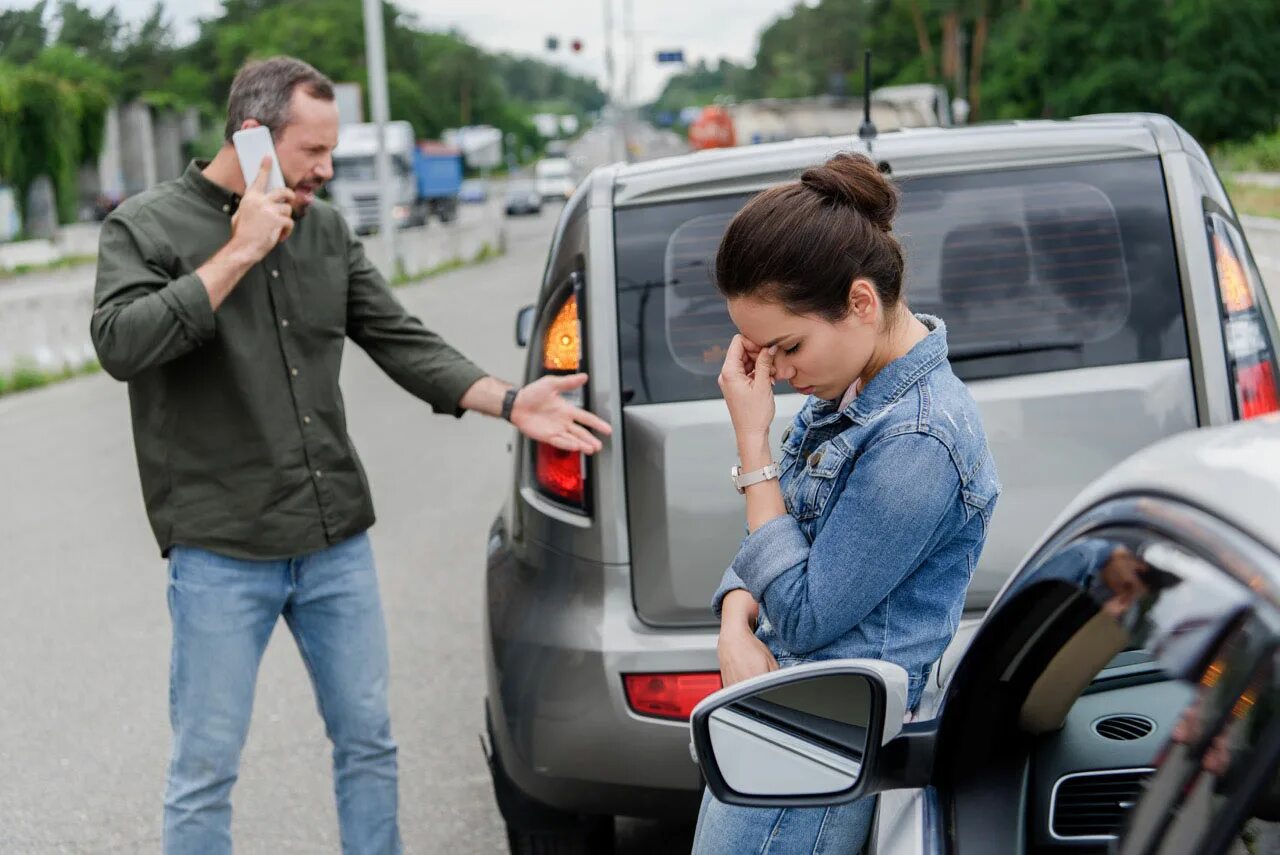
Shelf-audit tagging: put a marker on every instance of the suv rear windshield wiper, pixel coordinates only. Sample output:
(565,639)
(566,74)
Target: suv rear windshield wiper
(1010,348)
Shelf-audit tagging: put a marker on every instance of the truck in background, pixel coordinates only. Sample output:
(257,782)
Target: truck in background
(778,119)
(553,178)
(425,177)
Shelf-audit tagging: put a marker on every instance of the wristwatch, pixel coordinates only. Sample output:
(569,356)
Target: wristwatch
(509,402)
(743,480)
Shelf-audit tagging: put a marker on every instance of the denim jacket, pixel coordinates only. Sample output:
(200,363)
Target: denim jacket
(888,501)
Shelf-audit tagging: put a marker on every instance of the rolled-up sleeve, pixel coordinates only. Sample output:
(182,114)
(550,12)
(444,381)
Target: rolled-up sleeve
(903,494)
(420,361)
(141,316)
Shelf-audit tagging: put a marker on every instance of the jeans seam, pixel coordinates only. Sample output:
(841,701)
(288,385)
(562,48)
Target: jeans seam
(773,832)
(311,672)
(822,826)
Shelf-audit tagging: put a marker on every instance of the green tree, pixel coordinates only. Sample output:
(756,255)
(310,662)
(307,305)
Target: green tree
(22,34)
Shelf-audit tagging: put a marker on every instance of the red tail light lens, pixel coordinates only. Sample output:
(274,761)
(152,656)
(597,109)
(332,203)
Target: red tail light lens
(560,473)
(1256,390)
(671,696)
(1250,356)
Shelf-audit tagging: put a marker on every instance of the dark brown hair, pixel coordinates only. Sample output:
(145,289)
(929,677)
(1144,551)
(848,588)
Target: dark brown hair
(803,244)
(263,90)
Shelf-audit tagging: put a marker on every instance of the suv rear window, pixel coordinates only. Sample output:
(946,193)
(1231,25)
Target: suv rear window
(1034,270)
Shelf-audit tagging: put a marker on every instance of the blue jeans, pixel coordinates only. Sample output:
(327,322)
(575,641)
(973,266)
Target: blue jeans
(223,611)
(731,830)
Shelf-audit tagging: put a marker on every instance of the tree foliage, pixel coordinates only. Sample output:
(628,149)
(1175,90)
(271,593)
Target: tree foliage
(1211,68)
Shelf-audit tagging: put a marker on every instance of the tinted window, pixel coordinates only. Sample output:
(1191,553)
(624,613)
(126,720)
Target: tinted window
(1070,266)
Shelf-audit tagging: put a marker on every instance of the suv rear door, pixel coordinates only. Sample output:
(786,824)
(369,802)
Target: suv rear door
(1060,289)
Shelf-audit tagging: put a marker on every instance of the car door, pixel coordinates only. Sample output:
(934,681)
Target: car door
(1122,695)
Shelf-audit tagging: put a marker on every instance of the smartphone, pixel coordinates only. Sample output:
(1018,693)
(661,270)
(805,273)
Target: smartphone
(253,144)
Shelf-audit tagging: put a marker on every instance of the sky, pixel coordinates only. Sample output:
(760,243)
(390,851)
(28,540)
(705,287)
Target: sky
(703,29)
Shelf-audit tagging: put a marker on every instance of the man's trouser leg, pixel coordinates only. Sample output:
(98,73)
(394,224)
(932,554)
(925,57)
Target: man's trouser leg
(223,611)
(335,614)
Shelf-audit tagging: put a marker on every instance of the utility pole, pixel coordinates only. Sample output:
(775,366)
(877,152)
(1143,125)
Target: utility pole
(608,50)
(375,56)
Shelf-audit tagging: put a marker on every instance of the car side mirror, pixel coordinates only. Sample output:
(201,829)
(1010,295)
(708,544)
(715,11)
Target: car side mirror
(524,325)
(806,736)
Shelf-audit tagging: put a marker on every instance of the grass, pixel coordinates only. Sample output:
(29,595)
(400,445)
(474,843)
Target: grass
(66,261)
(27,375)
(487,252)
(1260,154)
(1254,200)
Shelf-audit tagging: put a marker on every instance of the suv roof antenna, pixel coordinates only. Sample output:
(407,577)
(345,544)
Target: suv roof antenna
(868,131)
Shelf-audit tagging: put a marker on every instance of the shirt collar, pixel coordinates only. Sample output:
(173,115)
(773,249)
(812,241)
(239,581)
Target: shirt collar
(896,377)
(215,194)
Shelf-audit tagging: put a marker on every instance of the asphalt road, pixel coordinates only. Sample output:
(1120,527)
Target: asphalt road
(84,631)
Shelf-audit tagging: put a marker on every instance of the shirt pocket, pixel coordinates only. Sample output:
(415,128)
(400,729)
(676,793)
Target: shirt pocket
(811,488)
(322,291)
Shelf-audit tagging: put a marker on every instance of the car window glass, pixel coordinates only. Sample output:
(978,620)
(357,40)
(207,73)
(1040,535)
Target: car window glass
(1160,694)
(1072,266)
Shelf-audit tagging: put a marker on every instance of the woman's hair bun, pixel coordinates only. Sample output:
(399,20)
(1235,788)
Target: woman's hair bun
(854,180)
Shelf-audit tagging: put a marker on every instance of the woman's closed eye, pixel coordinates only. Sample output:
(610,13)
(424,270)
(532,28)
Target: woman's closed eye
(790,350)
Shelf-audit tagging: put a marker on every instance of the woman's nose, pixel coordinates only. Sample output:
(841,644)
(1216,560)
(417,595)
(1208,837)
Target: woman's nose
(782,369)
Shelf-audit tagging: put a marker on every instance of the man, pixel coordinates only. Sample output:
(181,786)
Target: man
(226,308)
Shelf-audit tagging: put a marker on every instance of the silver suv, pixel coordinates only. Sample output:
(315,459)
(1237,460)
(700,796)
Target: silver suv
(1099,295)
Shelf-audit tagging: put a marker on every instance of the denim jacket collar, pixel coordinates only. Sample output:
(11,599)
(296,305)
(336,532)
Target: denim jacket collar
(895,378)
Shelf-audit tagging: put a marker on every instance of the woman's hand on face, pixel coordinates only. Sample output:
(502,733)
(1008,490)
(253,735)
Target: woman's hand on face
(746,381)
(742,655)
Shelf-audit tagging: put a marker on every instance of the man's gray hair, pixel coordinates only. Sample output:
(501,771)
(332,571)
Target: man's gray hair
(264,89)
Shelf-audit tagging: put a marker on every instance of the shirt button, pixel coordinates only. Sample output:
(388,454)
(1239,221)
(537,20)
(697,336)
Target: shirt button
(319,473)
(275,274)
(226,209)
(815,458)
(306,420)
(284,322)
(293,371)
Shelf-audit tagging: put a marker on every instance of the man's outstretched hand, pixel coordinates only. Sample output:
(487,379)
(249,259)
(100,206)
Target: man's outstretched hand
(542,414)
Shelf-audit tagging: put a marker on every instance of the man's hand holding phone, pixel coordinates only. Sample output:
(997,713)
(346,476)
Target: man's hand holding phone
(264,217)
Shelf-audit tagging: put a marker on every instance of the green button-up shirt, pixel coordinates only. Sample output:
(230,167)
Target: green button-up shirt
(238,419)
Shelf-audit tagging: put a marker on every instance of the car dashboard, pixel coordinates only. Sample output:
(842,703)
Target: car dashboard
(1086,776)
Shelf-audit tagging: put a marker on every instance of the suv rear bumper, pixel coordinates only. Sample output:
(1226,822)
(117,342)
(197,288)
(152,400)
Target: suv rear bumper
(560,633)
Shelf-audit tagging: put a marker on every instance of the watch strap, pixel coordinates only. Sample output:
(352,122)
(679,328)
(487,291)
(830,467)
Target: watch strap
(743,480)
(509,402)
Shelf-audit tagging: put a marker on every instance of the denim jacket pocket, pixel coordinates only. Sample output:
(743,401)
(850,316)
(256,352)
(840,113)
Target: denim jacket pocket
(811,488)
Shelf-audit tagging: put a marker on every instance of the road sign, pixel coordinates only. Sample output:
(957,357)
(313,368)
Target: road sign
(670,56)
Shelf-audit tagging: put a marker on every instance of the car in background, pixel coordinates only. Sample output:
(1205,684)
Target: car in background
(554,178)
(473,191)
(522,197)
(1099,296)
(1121,695)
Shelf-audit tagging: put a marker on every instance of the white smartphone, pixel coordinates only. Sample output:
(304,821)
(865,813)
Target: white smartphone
(253,144)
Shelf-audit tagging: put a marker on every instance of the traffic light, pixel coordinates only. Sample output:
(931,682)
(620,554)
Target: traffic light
(576,44)
(553,44)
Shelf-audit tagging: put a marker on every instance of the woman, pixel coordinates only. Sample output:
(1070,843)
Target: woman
(865,544)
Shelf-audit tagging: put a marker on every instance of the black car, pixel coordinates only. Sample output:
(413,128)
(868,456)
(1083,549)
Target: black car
(523,198)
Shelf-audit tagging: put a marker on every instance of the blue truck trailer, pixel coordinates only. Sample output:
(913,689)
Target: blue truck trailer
(438,170)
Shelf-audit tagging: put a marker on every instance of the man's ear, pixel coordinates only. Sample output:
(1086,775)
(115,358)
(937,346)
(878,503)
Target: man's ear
(249,123)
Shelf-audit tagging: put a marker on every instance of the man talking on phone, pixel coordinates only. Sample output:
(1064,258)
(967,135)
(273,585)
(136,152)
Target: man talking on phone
(226,307)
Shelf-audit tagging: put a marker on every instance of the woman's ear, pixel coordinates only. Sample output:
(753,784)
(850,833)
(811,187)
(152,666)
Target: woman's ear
(863,300)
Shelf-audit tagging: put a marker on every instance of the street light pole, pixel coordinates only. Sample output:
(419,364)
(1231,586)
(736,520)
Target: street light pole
(375,56)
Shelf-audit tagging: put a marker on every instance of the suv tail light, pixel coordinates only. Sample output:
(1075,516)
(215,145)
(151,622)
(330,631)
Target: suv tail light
(669,695)
(1250,356)
(562,475)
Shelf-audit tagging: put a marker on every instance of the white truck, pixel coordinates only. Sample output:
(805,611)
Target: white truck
(425,178)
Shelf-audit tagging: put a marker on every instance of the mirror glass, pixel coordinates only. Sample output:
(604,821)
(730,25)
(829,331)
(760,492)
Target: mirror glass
(524,326)
(806,737)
